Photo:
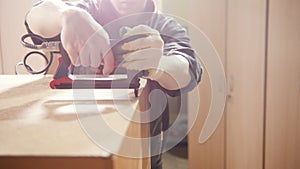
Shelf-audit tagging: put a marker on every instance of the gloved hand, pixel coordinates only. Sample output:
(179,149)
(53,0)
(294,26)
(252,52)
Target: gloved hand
(85,41)
(146,52)
(171,72)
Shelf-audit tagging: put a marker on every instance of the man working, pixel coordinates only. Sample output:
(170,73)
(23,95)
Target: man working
(86,29)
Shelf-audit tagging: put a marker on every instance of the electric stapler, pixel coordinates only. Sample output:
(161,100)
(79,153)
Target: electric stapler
(67,76)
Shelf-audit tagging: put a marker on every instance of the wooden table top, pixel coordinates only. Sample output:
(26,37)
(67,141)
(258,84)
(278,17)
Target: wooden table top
(38,121)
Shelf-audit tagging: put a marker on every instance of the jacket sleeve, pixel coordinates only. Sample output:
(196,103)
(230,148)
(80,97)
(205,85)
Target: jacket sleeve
(177,42)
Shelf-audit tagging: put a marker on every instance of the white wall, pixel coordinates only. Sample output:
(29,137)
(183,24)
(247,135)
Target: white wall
(178,8)
(12,13)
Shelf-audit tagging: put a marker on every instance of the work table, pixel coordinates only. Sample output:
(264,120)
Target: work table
(38,122)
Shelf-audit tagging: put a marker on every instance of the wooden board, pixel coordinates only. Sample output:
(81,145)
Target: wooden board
(209,17)
(283,86)
(246,32)
(42,124)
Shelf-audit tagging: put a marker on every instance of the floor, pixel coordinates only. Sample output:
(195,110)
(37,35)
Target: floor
(176,158)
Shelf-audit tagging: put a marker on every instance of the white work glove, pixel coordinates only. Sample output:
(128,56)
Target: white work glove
(85,41)
(171,72)
(146,52)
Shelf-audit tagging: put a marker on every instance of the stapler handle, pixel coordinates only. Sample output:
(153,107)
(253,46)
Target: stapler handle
(64,64)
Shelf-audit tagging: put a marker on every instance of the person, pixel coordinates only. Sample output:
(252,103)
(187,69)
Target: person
(85,30)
